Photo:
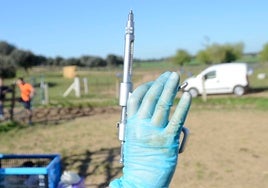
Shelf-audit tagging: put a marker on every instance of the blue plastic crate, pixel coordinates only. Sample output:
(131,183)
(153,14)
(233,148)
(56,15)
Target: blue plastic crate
(30,171)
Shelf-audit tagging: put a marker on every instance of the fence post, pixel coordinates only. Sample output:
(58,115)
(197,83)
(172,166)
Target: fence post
(74,86)
(12,104)
(204,93)
(46,93)
(85,85)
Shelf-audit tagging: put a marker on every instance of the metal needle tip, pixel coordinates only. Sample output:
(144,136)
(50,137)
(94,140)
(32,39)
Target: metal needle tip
(183,85)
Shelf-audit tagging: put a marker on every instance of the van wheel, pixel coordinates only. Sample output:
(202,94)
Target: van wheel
(193,92)
(239,90)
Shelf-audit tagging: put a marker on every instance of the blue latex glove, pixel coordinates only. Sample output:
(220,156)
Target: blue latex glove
(152,141)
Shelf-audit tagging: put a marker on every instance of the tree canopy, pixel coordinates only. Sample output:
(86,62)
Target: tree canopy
(11,56)
(264,53)
(217,53)
(182,57)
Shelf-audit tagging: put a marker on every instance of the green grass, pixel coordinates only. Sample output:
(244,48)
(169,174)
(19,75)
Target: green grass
(10,125)
(231,103)
(103,84)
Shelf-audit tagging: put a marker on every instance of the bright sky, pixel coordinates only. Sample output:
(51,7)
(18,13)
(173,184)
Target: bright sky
(71,28)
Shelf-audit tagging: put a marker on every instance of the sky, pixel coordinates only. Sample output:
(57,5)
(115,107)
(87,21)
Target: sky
(72,28)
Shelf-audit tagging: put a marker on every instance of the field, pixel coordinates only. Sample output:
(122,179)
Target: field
(227,146)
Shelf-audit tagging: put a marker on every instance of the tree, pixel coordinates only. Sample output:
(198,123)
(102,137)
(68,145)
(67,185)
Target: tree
(99,62)
(233,52)
(5,48)
(182,57)
(217,53)
(7,69)
(23,59)
(91,61)
(58,60)
(203,57)
(113,60)
(264,53)
(86,60)
(72,61)
(39,60)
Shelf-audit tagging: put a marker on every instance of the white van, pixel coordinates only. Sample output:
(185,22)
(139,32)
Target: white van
(220,78)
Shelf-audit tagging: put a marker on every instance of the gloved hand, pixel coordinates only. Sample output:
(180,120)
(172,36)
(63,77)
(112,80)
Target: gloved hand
(151,140)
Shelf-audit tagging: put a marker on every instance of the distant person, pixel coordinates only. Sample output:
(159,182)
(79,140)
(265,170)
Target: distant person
(26,92)
(3,90)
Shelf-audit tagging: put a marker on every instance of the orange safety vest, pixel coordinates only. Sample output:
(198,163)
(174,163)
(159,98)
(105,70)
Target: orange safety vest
(25,91)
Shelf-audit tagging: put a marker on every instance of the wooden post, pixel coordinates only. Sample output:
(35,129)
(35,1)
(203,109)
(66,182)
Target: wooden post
(12,103)
(74,86)
(204,94)
(77,87)
(46,96)
(85,85)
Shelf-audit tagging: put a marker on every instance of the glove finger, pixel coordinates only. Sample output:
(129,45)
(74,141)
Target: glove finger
(178,118)
(162,110)
(150,99)
(136,97)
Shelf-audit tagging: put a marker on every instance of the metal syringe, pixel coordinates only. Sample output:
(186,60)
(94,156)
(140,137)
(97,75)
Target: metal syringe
(126,84)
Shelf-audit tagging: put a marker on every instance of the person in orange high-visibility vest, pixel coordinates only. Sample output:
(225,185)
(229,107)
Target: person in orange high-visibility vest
(26,95)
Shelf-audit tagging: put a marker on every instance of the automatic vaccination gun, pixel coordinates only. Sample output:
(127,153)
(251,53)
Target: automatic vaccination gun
(126,84)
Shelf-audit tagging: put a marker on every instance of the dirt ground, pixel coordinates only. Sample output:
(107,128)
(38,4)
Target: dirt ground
(226,148)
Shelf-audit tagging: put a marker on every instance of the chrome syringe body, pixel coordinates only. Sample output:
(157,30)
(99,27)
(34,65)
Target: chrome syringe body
(126,84)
